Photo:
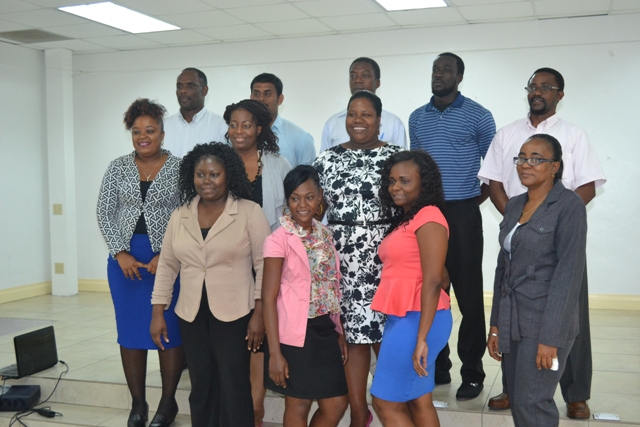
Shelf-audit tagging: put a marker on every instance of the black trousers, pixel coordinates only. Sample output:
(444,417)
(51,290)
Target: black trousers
(464,263)
(218,362)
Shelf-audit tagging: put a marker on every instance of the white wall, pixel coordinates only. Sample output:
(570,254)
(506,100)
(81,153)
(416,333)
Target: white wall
(24,219)
(597,55)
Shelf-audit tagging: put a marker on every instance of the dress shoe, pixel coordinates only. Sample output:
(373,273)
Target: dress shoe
(468,391)
(138,420)
(162,421)
(499,402)
(442,378)
(578,410)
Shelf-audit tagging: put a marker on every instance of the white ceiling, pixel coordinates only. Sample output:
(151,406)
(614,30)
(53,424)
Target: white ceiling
(223,21)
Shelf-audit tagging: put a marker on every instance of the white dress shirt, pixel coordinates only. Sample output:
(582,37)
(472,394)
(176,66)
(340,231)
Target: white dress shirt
(180,136)
(391,130)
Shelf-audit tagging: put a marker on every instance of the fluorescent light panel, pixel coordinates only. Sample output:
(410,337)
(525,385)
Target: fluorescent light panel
(391,5)
(119,17)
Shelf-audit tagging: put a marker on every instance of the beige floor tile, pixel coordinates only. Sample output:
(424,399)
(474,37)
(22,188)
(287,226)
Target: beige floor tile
(108,371)
(97,350)
(614,318)
(93,393)
(617,382)
(615,332)
(609,346)
(497,419)
(625,405)
(449,418)
(616,362)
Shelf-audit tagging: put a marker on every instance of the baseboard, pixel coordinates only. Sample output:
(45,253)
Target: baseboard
(93,285)
(25,291)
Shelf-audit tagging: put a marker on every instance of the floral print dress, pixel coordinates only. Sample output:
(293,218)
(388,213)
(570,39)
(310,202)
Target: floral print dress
(351,180)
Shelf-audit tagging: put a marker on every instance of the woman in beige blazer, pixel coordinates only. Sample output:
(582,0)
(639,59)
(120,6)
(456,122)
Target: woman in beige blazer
(214,240)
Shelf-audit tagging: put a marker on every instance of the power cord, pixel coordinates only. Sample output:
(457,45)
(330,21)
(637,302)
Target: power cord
(44,411)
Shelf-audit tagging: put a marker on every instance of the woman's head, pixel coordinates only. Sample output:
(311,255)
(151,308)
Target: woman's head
(303,194)
(410,181)
(203,167)
(363,117)
(250,127)
(144,119)
(548,169)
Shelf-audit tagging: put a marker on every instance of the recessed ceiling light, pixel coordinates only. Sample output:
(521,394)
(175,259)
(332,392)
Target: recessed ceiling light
(119,17)
(410,4)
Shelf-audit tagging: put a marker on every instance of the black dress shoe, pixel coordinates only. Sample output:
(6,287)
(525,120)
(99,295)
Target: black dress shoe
(162,421)
(138,420)
(468,391)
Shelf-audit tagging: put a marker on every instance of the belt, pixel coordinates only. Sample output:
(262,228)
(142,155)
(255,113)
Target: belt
(360,223)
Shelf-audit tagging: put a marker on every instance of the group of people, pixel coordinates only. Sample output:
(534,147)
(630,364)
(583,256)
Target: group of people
(238,251)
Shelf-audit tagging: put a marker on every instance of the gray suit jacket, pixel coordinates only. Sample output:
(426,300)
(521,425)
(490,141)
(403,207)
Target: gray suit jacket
(535,293)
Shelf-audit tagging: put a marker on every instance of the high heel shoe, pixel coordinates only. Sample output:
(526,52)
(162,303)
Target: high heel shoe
(370,420)
(138,420)
(162,421)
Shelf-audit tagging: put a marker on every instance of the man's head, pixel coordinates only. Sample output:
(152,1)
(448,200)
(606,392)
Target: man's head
(446,74)
(267,88)
(364,74)
(191,88)
(545,89)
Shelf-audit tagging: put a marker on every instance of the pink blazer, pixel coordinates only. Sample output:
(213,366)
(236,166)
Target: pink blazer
(295,285)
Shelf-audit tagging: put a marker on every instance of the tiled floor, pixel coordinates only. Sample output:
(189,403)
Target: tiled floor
(85,333)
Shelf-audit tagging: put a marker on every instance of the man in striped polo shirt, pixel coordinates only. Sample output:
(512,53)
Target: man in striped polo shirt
(456,132)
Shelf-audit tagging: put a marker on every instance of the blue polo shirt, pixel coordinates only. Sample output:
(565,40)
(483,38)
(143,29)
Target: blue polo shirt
(457,138)
(296,144)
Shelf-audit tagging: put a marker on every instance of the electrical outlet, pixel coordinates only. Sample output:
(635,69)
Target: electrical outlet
(57,208)
(59,267)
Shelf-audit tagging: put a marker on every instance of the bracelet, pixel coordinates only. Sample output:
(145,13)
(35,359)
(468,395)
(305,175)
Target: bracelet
(493,335)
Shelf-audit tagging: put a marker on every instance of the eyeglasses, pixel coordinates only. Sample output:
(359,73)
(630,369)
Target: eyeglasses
(542,89)
(190,86)
(532,161)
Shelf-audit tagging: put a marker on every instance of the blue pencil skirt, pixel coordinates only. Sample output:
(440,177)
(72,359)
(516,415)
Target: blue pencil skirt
(395,379)
(132,301)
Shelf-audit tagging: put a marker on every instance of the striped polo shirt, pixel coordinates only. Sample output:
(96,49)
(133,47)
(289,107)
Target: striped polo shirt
(456,138)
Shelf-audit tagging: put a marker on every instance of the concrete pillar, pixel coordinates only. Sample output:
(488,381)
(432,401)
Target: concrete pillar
(62,188)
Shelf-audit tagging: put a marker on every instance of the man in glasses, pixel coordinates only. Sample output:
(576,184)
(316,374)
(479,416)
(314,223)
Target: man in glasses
(193,124)
(582,174)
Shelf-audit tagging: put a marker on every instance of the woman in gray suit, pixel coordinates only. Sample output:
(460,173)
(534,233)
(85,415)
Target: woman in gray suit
(534,318)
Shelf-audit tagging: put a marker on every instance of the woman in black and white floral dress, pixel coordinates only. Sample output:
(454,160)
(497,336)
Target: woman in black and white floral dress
(350,180)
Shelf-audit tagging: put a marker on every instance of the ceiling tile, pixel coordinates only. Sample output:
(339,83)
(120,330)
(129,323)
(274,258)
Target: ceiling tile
(424,17)
(295,28)
(43,18)
(481,2)
(60,3)
(223,4)
(11,26)
(178,37)
(272,13)
(555,8)
(497,12)
(209,18)
(361,22)
(124,42)
(318,8)
(7,6)
(236,32)
(74,45)
(164,7)
(626,5)
(85,30)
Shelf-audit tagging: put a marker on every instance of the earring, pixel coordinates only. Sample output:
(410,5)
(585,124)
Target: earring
(286,211)
(553,176)
(321,210)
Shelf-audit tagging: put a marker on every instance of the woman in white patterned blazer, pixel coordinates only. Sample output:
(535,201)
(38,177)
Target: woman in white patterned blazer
(138,194)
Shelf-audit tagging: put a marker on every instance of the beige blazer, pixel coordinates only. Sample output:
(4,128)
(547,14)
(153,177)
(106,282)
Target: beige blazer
(222,261)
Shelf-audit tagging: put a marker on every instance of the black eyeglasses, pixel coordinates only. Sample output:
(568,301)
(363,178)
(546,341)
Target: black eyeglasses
(532,161)
(541,89)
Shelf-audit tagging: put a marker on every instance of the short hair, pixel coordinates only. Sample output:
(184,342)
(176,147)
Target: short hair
(459,62)
(555,73)
(267,140)
(144,107)
(238,183)
(201,76)
(431,192)
(556,149)
(268,78)
(298,176)
(372,97)
(374,65)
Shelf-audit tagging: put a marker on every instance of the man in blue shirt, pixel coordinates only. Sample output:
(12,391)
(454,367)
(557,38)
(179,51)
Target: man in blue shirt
(457,132)
(296,145)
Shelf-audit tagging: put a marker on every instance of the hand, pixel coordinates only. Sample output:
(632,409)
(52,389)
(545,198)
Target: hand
(420,358)
(129,265)
(255,331)
(344,348)
(152,266)
(158,330)
(278,369)
(545,355)
(492,344)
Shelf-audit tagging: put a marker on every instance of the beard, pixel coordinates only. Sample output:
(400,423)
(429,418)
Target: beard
(540,110)
(442,92)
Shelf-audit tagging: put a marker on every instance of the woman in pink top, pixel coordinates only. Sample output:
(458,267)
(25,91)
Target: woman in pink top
(411,291)
(305,349)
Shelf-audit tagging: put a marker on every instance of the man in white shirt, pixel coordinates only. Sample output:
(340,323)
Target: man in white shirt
(364,74)
(582,173)
(296,144)
(193,124)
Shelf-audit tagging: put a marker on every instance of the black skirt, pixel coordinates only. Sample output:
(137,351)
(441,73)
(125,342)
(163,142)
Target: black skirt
(315,370)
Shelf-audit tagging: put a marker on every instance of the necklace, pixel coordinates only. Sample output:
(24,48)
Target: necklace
(152,170)
(259,172)
(532,209)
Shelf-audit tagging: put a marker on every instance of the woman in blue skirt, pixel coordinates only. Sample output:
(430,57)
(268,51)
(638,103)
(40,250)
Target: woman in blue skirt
(411,291)
(138,193)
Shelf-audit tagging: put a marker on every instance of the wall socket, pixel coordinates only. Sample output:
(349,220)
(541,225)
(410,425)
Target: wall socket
(57,208)
(59,267)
